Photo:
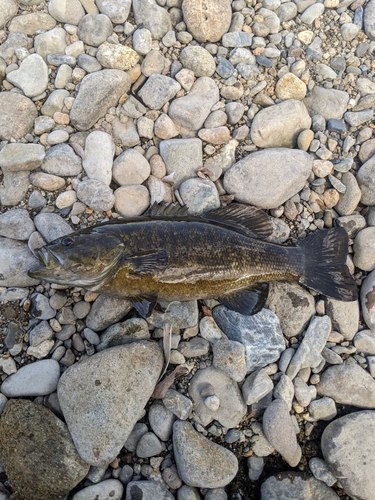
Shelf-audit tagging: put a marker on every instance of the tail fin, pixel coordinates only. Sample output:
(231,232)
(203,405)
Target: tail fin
(325,270)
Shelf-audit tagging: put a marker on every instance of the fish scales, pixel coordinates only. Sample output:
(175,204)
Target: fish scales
(204,260)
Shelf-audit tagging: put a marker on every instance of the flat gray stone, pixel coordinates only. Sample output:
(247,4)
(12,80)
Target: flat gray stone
(348,448)
(61,160)
(280,431)
(293,305)
(213,382)
(161,420)
(15,260)
(229,357)
(16,224)
(158,90)
(296,485)
(261,348)
(102,398)
(16,186)
(149,446)
(153,17)
(98,158)
(279,126)
(94,29)
(344,316)
(183,157)
(97,93)
(198,60)
(106,311)
(54,102)
(330,103)
(256,386)
(216,470)
(116,10)
(268,178)
(51,226)
(368,19)
(191,111)
(199,195)
(348,384)
(30,23)
(31,77)
(51,42)
(96,195)
(36,379)
(13,105)
(308,354)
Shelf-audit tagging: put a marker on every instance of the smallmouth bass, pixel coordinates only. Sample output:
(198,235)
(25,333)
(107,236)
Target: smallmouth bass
(169,254)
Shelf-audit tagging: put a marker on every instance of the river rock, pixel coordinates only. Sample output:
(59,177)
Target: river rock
(94,29)
(330,103)
(366,181)
(191,111)
(252,180)
(30,23)
(153,17)
(280,431)
(116,10)
(198,60)
(207,21)
(114,56)
(218,468)
(66,11)
(102,398)
(30,434)
(97,93)
(364,249)
(96,195)
(61,160)
(344,316)
(183,157)
(261,350)
(348,448)
(290,87)
(348,384)
(8,10)
(98,158)
(16,224)
(130,167)
(147,490)
(36,379)
(13,104)
(15,157)
(158,90)
(293,305)
(51,42)
(280,125)
(31,77)
(368,19)
(290,484)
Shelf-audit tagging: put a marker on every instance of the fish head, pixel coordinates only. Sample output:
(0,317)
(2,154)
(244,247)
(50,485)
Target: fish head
(86,258)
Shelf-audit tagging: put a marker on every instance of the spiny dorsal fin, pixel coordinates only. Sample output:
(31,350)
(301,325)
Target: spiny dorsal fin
(166,210)
(243,218)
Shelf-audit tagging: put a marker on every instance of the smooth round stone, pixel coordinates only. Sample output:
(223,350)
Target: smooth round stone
(349,200)
(216,135)
(280,431)
(31,77)
(110,488)
(94,29)
(311,13)
(349,31)
(46,181)
(161,420)
(158,90)
(368,19)
(364,249)
(356,118)
(348,448)
(88,63)
(98,157)
(229,356)
(235,111)
(119,57)
(198,60)
(57,137)
(153,63)
(256,386)
(66,199)
(207,21)
(290,87)
(323,409)
(8,10)
(96,195)
(130,168)
(66,11)
(367,149)
(368,300)
(304,139)
(287,11)
(131,200)
(148,490)
(142,41)
(36,379)
(165,128)
(153,17)
(15,260)
(149,446)
(51,226)
(218,468)
(329,103)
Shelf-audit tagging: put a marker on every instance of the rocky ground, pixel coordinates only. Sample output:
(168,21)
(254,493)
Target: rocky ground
(110,106)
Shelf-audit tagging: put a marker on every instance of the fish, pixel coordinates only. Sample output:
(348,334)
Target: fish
(223,254)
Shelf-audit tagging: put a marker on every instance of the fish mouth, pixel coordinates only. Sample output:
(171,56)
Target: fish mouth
(49,262)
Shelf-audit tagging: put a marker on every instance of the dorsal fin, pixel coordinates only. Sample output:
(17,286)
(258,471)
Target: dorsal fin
(242,218)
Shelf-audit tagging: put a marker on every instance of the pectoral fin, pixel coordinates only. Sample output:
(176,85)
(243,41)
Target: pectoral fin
(145,304)
(149,262)
(248,301)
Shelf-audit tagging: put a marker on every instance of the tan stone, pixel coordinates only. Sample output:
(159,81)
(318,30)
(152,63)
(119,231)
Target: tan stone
(290,87)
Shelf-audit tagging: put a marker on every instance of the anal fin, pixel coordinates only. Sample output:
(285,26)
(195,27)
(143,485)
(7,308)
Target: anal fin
(247,301)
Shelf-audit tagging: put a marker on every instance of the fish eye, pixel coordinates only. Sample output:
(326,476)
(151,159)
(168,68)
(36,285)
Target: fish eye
(67,241)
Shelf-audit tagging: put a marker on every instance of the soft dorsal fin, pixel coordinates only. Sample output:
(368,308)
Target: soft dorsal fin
(243,218)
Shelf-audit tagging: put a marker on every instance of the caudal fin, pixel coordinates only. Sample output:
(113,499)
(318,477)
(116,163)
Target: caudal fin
(325,270)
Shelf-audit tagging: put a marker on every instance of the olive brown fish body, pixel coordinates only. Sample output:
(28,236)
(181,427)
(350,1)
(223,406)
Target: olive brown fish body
(168,254)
